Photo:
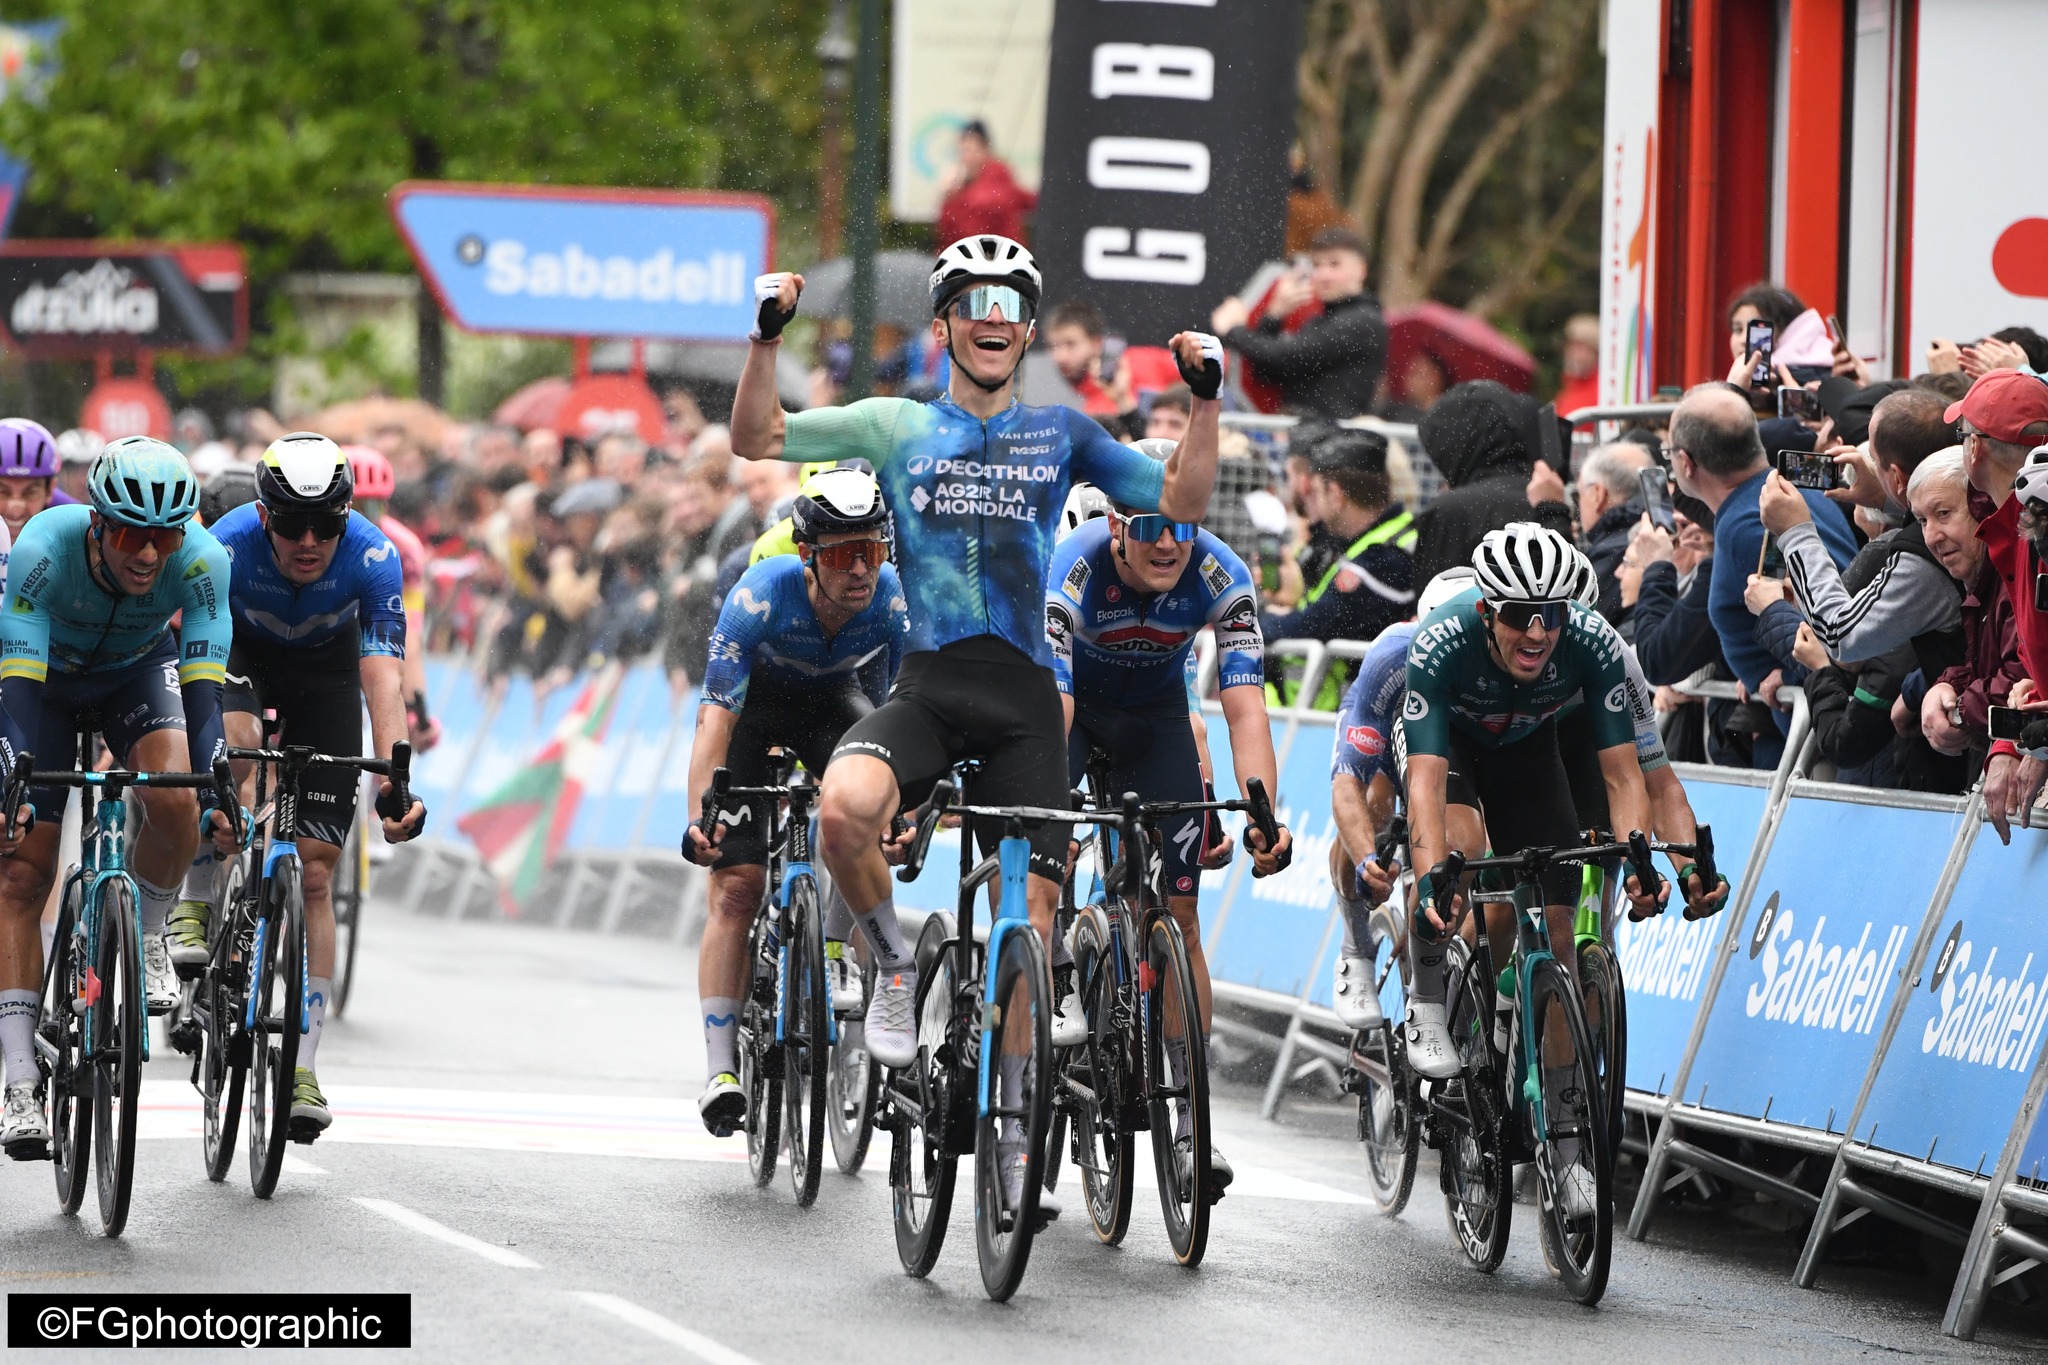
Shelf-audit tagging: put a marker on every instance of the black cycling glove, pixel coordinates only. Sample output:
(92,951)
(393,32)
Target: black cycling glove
(1206,382)
(770,319)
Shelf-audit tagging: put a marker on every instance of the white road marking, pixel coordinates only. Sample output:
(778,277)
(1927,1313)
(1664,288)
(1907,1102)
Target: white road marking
(440,1232)
(298,1165)
(654,1324)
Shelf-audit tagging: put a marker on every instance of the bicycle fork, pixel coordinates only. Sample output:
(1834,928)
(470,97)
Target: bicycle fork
(1014,856)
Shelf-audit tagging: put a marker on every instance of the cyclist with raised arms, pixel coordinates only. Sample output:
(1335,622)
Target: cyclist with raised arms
(1126,595)
(318,630)
(977,480)
(86,630)
(796,638)
(375,483)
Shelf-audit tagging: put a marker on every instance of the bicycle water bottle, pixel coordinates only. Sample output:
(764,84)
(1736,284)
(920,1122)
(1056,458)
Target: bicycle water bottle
(1503,1008)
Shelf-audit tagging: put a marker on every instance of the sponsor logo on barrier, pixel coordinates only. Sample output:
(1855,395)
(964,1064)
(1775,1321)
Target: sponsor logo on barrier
(1665,955)
(1986,1019)
(1815,983)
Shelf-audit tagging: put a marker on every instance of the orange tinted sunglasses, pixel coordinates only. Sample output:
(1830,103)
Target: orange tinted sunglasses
(129,540)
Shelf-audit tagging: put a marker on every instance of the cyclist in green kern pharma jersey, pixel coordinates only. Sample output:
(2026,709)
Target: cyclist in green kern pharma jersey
(975,481)
(1486,679)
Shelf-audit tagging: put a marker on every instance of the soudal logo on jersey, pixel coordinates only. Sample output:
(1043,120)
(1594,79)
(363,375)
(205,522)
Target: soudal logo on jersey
(1140,638)
(1987,1018)
(1816,981)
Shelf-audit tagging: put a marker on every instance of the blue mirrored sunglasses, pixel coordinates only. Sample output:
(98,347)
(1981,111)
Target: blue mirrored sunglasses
(979,303)
(1149,526)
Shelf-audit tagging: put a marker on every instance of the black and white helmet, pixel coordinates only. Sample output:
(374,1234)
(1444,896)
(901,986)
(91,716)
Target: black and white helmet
(835,500)
(1525,562)
(984,259)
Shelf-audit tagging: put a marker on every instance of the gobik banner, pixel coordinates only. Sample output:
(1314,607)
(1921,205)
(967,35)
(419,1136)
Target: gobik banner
(1165,179)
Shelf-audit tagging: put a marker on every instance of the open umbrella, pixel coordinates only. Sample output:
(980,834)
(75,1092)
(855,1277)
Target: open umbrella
(535,405)
(902,288)
(1463,346)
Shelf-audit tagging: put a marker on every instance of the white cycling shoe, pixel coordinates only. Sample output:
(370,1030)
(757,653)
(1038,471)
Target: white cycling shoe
(1576,1192)
(1356,1003)
(1014,1169)
(892,1020)
(1069,1022)
(842,974)
(24,1133)
(1428,1035)
(159,980)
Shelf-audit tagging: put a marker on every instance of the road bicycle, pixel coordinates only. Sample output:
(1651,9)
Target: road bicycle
(250,1003)
(1377,1068)
(973,1005)
(787,1028)
(853,1083)
(94,1035)
(1138,995)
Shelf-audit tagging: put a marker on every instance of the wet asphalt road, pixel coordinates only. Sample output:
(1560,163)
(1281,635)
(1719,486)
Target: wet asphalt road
(516,1147)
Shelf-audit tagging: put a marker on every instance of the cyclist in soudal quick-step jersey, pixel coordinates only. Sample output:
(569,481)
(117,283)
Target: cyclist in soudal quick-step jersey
(797,637)
(319,631)
(976,481)
(85,630)
(375,483)
(1487,675)
(1125,597)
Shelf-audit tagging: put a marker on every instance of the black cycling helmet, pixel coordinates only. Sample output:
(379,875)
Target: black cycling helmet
(226,491)
(304,469)
(835,500)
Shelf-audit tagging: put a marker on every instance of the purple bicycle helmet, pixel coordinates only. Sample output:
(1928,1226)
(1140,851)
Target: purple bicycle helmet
(27,450)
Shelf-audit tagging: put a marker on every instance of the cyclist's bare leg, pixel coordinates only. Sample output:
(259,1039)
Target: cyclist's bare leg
(855,801)
(1185,914)
(317,861)
(25,882)
(1042,895)
(170,815)
(735,896)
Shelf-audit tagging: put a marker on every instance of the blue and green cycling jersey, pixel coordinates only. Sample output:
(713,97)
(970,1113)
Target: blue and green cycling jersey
(768,629)
(1454,682)
(976,503)
(1113,645)
(363,586)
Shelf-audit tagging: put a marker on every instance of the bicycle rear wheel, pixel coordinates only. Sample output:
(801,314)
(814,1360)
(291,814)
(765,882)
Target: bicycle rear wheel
(1605,1004)
(1098,1085)
(806,1046)
(278,985)
(223,1063)
(760,1059)
(851,1087)
(922,1165)
(1574,1167)
(1476,1171)
(114,1026)
(1179,1097)
(351,889)
(1387,1129)
(70,1079)
(1013,1124)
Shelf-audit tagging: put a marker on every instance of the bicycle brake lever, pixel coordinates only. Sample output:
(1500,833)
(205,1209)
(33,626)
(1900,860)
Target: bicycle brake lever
(1703,859)
(1646,871)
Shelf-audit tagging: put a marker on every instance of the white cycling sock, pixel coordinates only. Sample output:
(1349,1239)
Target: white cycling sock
(721,1034)
(838,916)
(18,1011)
(156,904)
(319,990)
(885,936)
(199,877)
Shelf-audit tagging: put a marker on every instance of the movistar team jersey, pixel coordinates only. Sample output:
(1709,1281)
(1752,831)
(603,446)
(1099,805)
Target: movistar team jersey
(1116,646)
(58,618)
(363,584)
(1364,744)
(976,503)
(1453,681)
(768,628)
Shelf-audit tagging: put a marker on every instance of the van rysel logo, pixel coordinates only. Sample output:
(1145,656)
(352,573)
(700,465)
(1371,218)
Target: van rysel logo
(1985,1019)
(1813,983)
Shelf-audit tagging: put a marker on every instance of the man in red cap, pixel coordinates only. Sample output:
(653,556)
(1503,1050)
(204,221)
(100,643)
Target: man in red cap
(2004,416)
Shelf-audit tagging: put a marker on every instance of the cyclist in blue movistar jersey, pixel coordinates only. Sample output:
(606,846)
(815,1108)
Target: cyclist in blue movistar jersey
(319,628)
(85,631)
(804,646)
(1126,596)
(976,480)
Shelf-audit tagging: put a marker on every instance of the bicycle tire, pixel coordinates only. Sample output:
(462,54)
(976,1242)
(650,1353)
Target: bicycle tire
(1476,1172)
(1388,1131)
(1184,1198)
(1581,1248)
(1104,1147)
(1003,1235)
(351,888)
(70,1083)
(1603,999)
(280,1018)
(114,1029)
(806,1043)
(852,1087)
(760,1061)
(223,1064)
(922,1164)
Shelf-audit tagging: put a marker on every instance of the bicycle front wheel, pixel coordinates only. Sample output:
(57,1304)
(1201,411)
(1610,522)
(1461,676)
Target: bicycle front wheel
(1387,1129)
(1097,1079)
(1465,1112)
(278,984)
(760,1059)
(1012,1129)
(922,1162)
(114,1030)
(1177,1061)
(1605,1005)
(806,1033)
(1574,1167)
(851,1087)
(223,1044)
(63,1031)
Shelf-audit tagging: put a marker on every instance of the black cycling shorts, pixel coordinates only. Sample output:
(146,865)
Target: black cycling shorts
(316,691)
(808,722)
(1522,791)
(125,704)
(980,698)
(1152,753)
(1582,768)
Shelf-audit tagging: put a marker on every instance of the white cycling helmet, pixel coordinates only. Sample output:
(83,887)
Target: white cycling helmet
(1443,588)
(1085,503)
(984,259)
(1525,562)
(1588,590)
(2031,488)
(80,445)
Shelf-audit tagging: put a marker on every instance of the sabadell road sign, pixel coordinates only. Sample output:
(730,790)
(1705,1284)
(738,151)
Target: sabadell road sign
(589,262)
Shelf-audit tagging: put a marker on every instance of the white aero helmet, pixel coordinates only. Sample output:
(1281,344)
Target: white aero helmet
(1525,562)
(1085,502)
(2031,488)
(1443,588)
(985,258)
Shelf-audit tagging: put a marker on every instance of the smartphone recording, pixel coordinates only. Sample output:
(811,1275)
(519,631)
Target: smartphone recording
(1805,469)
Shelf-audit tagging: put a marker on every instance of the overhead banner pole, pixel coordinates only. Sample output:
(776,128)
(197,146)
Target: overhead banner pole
(864,190)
